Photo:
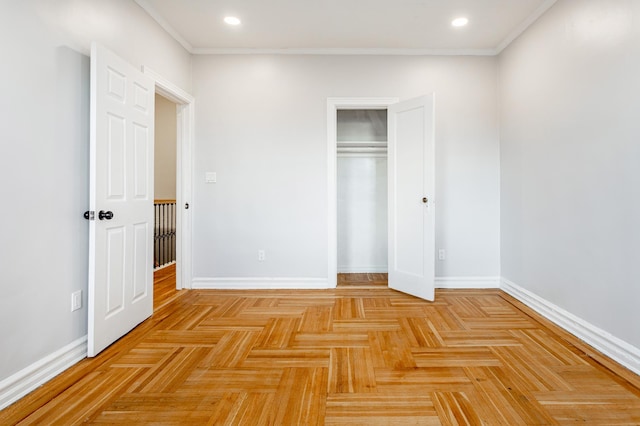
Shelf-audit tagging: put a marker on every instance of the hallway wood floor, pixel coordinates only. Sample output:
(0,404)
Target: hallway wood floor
(359,354)
(164,286)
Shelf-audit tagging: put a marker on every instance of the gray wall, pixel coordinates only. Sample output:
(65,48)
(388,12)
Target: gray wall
(570,161)
(261,124)
(44,158)
(165,150)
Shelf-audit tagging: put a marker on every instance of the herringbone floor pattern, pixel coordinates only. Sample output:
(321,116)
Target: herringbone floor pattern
(360,354)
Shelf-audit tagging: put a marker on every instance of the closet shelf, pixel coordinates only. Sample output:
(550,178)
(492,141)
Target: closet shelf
(362,150)
(362,144)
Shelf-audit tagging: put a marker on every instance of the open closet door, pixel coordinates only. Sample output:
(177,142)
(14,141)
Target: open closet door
(411,190)
(121,199)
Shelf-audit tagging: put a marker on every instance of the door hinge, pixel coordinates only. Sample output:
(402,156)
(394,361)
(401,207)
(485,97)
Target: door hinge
(90,215)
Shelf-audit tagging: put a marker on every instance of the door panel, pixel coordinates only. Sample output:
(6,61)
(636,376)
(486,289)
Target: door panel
(142,148)
(115,156)
(140,271)
(411,179)
(114,269)
(121,157)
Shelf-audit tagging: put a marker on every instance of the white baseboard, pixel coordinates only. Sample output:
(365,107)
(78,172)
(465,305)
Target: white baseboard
(379,269)
(166,265)
(467,282)
(613,347)
(29,378)
(257,283)
(269,283)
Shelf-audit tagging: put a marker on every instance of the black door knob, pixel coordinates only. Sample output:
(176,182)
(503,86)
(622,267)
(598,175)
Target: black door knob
(102,215)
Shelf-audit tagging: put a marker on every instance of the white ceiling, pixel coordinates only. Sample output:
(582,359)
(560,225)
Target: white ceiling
(346,26)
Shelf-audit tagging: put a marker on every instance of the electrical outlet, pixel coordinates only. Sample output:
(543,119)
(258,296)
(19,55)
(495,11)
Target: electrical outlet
(76,300)
(441,254)
(261,255)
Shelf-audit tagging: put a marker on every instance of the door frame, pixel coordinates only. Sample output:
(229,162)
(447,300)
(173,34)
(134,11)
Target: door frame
(333,105)
(184,146)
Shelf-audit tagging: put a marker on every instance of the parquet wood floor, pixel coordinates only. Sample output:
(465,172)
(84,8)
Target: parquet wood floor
(359,354)
(164,286)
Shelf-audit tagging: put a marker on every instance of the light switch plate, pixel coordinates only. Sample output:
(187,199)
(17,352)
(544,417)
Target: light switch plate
(210,177)
(76,300)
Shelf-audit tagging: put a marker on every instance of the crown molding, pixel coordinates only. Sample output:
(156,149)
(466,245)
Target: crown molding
(517,31)
(522,27)
(344,51)
(156,16)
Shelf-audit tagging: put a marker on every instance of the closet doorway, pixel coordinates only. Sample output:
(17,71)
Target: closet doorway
(361,148)
(357,181)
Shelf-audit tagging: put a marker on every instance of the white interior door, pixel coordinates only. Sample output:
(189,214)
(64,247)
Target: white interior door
(411,191)
(121,184)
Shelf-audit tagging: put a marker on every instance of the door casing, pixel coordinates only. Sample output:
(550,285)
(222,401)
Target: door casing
(184,148)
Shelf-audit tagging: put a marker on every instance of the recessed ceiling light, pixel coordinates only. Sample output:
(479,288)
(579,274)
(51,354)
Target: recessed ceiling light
(460,22)
(232,20)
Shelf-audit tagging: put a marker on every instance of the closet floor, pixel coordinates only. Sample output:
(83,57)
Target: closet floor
(363,279)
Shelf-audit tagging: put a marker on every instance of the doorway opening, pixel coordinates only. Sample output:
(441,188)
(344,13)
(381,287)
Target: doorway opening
(165,233)
(361,163)
(181,104)
(164,248)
